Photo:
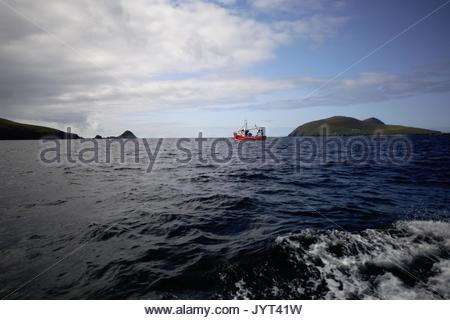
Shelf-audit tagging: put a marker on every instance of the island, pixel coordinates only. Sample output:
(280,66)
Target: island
(348,126)
(126,135)
(10,130)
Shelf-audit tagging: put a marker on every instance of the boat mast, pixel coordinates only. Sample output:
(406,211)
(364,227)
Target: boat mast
(245,125)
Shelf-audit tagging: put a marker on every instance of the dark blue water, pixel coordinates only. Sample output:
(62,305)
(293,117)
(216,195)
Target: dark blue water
(334,229)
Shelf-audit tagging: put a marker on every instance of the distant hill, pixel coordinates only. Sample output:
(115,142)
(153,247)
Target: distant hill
(126,135)
(347,126)
(10,130)
(374,121)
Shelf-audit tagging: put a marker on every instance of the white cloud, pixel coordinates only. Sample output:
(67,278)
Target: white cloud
(324,27)
(66,62)
(367,87)
(303,6)
(226,2)
(143,37)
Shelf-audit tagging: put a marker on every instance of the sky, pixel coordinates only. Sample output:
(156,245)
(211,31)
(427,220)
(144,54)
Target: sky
(173,68)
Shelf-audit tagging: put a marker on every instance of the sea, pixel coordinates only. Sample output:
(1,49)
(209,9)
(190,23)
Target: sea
(218,219)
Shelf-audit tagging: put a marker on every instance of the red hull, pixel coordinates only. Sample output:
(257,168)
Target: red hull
(239,137)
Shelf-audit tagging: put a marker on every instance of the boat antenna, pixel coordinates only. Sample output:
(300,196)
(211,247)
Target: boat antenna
(245,124)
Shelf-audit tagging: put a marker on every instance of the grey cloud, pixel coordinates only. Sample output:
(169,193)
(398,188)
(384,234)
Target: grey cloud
(65,62)
(300,7)
(368,87)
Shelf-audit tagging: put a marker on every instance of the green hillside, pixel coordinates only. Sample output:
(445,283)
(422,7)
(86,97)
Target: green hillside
(10,130)
(347,126)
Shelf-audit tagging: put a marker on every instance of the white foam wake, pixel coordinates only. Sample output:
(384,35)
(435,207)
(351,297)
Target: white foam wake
(408,261)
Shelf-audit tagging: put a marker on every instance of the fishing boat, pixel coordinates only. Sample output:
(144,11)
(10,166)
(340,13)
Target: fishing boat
(245,133)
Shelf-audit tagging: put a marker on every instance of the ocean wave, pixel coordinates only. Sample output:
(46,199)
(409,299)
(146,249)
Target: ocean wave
(407,260)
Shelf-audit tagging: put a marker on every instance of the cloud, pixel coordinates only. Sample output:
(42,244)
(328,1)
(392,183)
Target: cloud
(367,87)
(301,6)
(145,37)
(324,27)
(226,2)
(66,62)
